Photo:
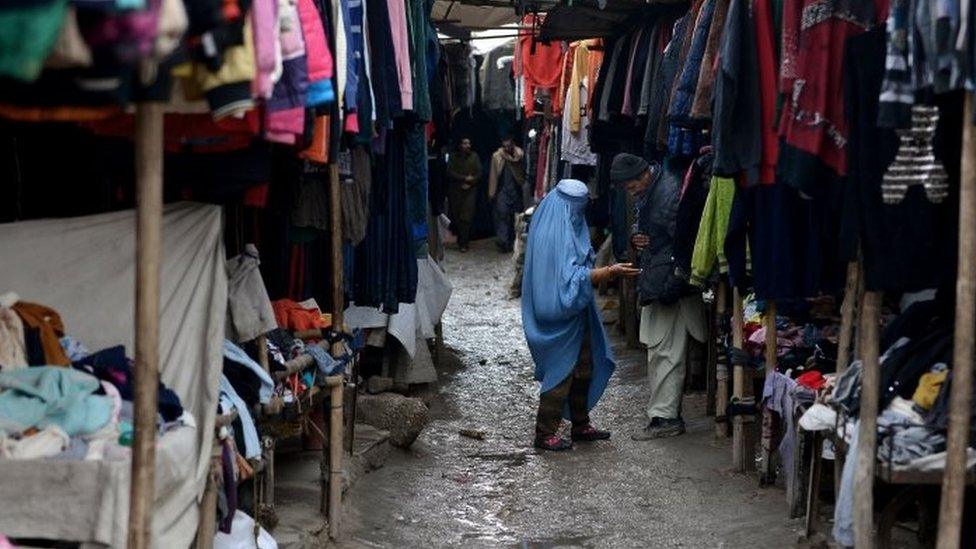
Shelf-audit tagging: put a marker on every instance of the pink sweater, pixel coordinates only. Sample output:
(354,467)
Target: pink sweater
(401,50)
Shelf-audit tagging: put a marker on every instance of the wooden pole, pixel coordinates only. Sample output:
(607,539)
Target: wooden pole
(149,216)
(721,362)
(206,528)
(335,205)
(742,438)
(847,316)
(263,353)
(767,473)
(868,427)
(771,342)
(961,391)
(335,459)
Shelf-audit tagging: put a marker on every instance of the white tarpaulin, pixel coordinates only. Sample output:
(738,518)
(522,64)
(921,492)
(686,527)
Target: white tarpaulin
(414,320)
(84,268)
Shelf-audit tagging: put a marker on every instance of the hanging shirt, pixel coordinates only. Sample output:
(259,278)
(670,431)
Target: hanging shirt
(813,121)
(541,64)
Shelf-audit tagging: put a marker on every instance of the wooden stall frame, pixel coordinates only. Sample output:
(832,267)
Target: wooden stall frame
(961,391)
(149,216)
(868,427)
(743,438)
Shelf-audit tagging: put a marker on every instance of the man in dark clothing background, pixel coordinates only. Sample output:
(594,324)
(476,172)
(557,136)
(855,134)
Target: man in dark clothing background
(506,179)
(463,172)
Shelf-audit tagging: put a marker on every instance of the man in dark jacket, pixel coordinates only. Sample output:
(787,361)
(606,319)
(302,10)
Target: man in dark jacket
(671,311)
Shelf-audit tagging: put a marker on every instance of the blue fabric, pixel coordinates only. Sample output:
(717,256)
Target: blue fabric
(43,396)
(230,399)
(236,354)
(319,93)
(326,364)
(557,295)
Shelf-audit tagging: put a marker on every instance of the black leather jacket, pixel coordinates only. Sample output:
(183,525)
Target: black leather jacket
(661,279)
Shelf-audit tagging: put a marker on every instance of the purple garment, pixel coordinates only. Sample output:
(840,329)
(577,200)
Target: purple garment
(778,397)
(227,457)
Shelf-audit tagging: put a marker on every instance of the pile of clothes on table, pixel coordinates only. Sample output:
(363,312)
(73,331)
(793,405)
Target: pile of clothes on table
(916,375)
(58,400)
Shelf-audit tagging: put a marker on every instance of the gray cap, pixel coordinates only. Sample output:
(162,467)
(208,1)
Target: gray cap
(627,166)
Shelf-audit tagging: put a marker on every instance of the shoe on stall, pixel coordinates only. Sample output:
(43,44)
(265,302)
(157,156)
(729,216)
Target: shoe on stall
(663,428)
(589,433)
(554,443)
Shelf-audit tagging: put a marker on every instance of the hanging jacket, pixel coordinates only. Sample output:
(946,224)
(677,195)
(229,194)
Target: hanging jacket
(285,111)
(317,56)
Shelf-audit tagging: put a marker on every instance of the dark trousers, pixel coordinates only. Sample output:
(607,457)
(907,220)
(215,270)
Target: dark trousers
(508,202)
(575,387)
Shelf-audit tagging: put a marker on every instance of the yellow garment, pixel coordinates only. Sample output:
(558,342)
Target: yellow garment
(581,70)
(928,389)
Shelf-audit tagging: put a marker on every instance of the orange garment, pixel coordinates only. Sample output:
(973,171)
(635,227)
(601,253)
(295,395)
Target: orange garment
(594,58)
(541,68)
(292,316)
(48,322)
(559,98)
(318,149)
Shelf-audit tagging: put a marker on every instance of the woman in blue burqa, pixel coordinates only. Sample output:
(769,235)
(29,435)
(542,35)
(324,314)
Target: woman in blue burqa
(572,356)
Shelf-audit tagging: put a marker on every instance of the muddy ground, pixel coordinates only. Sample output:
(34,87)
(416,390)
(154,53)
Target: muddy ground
(453,491)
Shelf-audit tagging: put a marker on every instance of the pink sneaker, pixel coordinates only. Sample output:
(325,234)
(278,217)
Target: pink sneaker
(589,433)
(554,443)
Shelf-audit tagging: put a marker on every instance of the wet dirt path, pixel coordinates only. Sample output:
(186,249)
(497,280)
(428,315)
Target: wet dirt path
(452,491)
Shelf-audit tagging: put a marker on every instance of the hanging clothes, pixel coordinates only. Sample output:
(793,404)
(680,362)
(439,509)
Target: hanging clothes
(701,107)
(813,128)
(497,84)
(541,64)
(736,121)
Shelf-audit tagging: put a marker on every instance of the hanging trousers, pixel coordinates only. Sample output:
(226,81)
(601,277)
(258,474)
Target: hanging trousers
(576,388)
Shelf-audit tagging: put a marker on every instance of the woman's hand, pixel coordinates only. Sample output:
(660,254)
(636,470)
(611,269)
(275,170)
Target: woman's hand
(618,270)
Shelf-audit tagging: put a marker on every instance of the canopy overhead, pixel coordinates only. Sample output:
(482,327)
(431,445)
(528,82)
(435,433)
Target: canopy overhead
(585,19)
(457,18)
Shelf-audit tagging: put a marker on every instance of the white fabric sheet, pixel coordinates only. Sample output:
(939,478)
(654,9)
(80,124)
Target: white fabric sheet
(85,269)
(414,320)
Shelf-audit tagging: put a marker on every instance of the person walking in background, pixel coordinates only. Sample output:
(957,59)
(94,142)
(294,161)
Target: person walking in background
(672,310)
(506,179)
(464,173)
(573,359)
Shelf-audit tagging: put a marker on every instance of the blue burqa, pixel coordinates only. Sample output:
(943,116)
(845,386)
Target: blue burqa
(557,295)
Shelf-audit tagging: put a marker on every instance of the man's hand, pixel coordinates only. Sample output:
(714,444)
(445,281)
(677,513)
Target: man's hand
(640,241)
(465,186)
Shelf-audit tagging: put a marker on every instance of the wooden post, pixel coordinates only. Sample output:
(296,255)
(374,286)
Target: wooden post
(263,353)
(767,473)
(206,528)
(961,391)
(335,456)
(743,441)
(847,315)
(149,220)
(868,427)
(721,361)
(335,205)
(771,343)
(628,290)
